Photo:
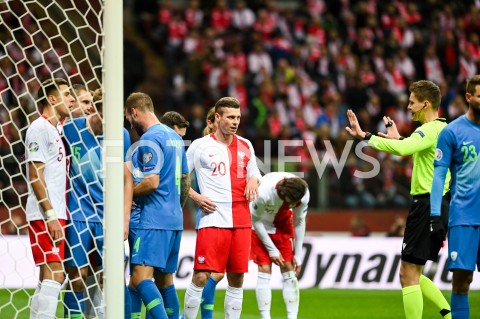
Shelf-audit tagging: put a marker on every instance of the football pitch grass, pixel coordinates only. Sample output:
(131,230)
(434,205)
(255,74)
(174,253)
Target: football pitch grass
(314,303)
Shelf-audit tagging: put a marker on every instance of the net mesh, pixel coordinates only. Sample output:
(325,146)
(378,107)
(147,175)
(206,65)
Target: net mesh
(39,39)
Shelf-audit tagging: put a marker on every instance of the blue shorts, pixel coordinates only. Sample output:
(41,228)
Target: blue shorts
(131,237)
(156,248)
(84,243)
(463,247)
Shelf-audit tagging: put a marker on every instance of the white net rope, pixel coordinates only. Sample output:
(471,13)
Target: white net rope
(39,40)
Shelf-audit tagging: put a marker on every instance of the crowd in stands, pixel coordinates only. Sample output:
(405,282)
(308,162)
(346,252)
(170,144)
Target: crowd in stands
(297,66)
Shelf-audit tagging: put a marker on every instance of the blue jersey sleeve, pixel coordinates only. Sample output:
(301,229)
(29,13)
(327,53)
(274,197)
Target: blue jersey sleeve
(184,162)
(127,142)
(150,156)
(445,148)
(439,175)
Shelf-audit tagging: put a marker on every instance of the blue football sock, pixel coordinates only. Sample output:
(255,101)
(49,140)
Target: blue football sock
(73,306)
(172,304)
(128,304)
(208,298)
(135,304)
(460,306)
(152,299)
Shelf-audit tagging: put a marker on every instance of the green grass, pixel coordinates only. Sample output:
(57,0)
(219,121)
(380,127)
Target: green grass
(314,303)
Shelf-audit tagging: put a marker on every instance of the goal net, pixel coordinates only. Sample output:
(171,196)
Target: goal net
(39,40)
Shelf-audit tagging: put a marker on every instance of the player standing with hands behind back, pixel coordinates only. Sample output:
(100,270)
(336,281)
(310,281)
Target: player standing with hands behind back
(228,175)
(276,226)
(417,245)
(458,147)
(46,207)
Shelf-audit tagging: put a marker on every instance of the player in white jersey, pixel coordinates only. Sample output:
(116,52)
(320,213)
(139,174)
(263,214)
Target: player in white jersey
(228,175)
(46,206)
(278,217)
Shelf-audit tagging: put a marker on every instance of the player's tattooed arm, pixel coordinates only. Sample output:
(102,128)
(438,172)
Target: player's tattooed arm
(185,187)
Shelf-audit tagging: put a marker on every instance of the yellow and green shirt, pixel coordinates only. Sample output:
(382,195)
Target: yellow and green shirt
(421,144)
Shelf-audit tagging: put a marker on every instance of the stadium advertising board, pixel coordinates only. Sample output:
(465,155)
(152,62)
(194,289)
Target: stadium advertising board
(329,262)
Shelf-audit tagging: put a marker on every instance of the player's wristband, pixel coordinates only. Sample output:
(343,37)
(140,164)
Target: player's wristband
(50,215)
(368,136)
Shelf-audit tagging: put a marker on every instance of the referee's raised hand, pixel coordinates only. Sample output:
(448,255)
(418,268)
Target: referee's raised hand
(392,131)
(354,128)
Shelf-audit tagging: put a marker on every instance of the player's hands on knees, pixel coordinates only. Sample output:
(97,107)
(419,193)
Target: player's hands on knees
(296,266)
(392,131)
(437,229)
(55,230)
(278,260)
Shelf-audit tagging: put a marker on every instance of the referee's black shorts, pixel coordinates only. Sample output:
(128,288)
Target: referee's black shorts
(417,246)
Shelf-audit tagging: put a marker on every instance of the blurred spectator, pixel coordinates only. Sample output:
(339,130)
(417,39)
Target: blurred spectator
(397,228)
(358,227)
(14,226)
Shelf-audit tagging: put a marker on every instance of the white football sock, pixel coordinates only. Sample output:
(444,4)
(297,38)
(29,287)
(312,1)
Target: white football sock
(98,303)
(291,294)
(233,302)
(193,298)
(264,294)
(48,299)
(34,302)
(91,289)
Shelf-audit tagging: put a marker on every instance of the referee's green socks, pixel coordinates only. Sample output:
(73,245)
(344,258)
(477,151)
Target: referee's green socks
(432,293)
(412,302)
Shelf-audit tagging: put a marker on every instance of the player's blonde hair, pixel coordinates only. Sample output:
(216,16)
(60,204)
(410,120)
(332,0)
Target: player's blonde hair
(140,101)
(294,188)
(425,90)
(210,118)
(472,83)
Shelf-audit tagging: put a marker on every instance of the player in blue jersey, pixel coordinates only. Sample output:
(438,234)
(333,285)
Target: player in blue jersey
(163,189)
(84,233)
(457,149)
(127,205)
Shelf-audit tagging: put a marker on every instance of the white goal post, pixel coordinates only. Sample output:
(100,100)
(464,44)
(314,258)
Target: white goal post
(113,159)
(81,41)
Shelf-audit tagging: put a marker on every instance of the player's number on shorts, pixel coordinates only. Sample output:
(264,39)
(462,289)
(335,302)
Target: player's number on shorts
(178,174)
(219,168)
(469,153)
(137,245)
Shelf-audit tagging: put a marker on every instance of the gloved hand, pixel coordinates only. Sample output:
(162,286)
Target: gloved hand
(437,229)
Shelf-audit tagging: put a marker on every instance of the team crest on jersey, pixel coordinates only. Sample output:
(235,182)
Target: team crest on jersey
(201,259)
(454,255)
(147,157)
(55,250)
(33,147)
(438,154)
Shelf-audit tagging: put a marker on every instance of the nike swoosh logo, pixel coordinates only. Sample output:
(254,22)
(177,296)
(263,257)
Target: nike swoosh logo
(211,155)
(466,143)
